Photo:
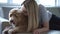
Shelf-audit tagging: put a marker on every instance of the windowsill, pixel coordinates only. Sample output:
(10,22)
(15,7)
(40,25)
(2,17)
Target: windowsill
(9,5)
(17,5)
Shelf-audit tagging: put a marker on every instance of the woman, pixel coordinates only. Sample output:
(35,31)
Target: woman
(46,20)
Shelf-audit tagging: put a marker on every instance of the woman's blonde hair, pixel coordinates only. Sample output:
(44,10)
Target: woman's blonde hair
(32,10)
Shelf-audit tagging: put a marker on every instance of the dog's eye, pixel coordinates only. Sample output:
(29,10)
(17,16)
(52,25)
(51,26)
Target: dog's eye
(10,15)
(15,15)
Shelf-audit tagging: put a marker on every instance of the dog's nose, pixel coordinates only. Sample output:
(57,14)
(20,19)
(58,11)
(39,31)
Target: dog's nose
(11,20)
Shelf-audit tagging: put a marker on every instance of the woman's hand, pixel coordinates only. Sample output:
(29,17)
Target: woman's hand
(36,31)
(39,31)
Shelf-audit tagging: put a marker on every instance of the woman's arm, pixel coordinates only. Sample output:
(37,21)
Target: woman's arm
(45,20)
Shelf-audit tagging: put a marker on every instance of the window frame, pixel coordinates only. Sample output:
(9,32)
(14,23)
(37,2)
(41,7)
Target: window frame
(10,3)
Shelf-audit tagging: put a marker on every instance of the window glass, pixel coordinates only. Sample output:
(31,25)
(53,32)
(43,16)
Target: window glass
(3,1)
(48,3)
(18,1)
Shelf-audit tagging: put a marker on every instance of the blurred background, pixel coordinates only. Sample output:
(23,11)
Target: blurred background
(6,5)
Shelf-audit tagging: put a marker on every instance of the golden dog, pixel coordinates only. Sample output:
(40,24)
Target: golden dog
(18,20)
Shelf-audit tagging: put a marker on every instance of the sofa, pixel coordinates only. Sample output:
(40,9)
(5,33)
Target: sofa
(4,22)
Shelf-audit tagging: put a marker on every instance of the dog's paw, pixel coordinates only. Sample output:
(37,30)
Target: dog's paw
(5,31)
(12,31)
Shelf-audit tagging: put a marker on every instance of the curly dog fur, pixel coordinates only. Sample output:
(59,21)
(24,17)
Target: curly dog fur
(18,20)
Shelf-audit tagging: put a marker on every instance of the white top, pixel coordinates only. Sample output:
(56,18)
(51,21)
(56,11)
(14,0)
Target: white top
(44,14)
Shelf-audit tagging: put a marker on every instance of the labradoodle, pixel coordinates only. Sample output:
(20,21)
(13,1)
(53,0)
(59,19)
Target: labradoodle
(18,21)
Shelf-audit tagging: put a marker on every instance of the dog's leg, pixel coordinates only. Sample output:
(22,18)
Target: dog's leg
(13,31)
(5,31)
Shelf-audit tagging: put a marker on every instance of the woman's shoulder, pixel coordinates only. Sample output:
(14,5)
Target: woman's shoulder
(40,5)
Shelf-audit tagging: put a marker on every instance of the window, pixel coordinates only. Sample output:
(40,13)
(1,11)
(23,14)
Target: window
(3,1)
(47,3)
(17,1)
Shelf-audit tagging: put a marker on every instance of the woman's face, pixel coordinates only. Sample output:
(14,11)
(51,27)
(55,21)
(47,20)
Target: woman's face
(24,10)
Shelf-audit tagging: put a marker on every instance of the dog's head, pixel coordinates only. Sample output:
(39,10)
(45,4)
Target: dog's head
(17,17)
